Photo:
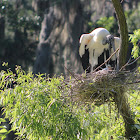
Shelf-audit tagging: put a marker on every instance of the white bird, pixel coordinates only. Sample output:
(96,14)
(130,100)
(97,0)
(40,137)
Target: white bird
(95,48)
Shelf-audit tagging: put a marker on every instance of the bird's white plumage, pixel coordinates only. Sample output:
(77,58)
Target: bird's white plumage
(84,40)
(95,44)
(99,35)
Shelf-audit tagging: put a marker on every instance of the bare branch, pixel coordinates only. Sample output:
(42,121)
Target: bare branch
(128,63)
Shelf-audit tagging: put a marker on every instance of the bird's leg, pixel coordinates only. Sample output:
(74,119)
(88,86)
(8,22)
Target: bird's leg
(105,59)
(92,65)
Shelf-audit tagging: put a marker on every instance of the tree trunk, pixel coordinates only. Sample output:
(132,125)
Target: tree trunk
(60,33)
(125,111)
(2,27)
(123,32)
(128,120)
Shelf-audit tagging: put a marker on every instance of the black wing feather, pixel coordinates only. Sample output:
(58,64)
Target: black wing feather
(85,61)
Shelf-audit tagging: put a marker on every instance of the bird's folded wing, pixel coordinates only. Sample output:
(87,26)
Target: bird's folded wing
(84,40)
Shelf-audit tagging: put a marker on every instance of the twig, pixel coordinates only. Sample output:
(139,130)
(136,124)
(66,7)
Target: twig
(133,82)
(134,61)
(71,73)
(127,64)
(106,60)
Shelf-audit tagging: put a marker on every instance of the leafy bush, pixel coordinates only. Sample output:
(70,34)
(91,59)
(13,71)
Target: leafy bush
(35,107)
(42,108)
(135,39)
(133,18)
(21,26)
(105,22)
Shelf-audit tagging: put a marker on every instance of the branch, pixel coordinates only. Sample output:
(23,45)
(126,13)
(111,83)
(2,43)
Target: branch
(128,63)
(71,73)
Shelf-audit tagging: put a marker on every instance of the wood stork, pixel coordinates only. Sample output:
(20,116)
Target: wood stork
(94,48)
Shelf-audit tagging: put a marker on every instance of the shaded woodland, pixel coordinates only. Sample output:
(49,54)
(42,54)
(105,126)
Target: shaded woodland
(43,35)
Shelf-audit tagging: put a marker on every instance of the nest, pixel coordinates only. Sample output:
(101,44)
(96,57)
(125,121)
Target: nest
(106,86)
(101,86)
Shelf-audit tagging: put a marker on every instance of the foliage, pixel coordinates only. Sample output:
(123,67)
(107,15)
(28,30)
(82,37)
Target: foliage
(3,130)
(35,107)
(133,18)
(42,108)
(134,97)
(135,39)
(96,121)
(106,22)
(19,16)
(21,29)
(110,23)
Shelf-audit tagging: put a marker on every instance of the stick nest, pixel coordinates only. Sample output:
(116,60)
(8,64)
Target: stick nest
(101,86)
(106,86)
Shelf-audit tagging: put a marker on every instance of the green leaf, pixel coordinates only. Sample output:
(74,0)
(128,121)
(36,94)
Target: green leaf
(5,64)
(2,136)
(138,108)
(3,130)
(2,120)
(137,126)
(134,39)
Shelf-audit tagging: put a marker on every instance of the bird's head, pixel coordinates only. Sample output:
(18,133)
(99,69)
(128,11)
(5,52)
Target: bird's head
(108,39)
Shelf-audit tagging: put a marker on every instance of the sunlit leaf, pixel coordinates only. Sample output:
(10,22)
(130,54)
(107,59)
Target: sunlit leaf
(3,131)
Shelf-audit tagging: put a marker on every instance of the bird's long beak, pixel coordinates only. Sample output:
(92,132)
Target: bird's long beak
(113,46)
